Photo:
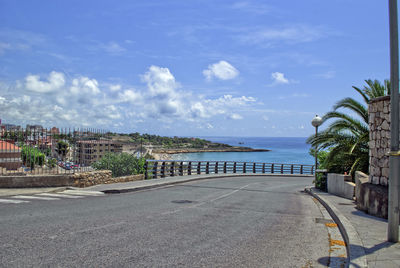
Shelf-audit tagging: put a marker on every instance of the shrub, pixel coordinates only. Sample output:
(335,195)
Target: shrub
(121,164)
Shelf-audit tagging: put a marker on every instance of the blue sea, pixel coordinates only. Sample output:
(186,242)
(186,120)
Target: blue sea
(283,150)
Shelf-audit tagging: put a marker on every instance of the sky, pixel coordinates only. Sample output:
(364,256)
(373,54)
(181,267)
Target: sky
(187,67)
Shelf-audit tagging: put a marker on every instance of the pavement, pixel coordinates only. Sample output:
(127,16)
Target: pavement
(365,235)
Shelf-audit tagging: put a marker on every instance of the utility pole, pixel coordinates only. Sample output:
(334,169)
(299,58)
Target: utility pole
(394,158)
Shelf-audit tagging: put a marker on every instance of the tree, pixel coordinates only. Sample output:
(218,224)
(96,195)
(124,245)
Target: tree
(62,148)
(346,139)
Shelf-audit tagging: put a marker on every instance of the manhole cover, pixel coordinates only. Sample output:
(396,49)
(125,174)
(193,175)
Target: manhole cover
(182,201)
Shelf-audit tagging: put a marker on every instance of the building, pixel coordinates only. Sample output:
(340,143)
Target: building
(90,151)
(55,130)
(10,156)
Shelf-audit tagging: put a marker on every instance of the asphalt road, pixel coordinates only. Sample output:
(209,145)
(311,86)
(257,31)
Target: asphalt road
(225,222)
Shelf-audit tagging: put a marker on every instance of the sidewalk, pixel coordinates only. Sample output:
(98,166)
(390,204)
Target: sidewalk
(365,235)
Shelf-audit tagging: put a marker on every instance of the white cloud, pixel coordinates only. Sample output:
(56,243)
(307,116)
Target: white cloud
(289,34)
(221,70)
(55,81)
(279,78)
(84,101)
(326,75)
(265,118)
(113,48)
(84,86)
(115,88)
(129,96)
(235,117)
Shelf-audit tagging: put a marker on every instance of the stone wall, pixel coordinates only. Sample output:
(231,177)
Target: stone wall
(379,136)
(86,179)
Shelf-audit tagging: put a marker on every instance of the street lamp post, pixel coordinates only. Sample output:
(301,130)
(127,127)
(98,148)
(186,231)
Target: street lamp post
(316,122)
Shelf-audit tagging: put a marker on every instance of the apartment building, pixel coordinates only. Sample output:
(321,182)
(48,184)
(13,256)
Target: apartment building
(10,156)
(90,151)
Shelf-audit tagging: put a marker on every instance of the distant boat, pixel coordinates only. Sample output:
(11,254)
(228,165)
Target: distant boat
(241,142)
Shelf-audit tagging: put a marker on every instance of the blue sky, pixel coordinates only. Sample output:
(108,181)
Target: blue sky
(186,67)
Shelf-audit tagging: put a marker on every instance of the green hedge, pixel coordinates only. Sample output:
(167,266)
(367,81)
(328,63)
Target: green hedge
(121,164)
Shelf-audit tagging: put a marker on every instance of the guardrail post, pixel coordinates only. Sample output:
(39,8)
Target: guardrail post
(263,168)
(163,170)
(301,169)
(181,169)
(208,168)
(190,168)
(234,167)
(216,167)
(281,168)
(145,170)
(224,167)
(172,169)
(244,167)
(254,167)
(272,168)
(155,170)
(199,168)
(291,169)
(312,170)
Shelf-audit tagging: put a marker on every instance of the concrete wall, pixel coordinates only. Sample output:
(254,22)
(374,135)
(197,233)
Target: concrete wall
(77,180)
(341,185)
(35,181)
(371,198)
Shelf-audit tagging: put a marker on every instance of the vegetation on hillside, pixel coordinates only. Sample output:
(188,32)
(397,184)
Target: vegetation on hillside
(172,142)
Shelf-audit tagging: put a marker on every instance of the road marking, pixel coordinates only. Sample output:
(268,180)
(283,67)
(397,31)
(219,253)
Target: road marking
(60,195)
(207,201)
(228,194)
(77,192)
(34,197)
(13,201)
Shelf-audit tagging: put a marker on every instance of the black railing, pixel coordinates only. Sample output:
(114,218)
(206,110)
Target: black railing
(169,168)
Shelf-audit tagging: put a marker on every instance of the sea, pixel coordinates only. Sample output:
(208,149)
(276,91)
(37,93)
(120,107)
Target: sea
(292,150)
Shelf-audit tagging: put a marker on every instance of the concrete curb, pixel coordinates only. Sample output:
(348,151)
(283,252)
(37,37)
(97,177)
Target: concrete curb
(355,249)
(154,183)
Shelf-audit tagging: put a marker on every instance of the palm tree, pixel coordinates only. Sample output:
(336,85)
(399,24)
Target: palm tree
(346,139)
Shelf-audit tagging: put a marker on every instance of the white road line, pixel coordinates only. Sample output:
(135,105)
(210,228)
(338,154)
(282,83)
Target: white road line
(34,197)
(59,195)
(13,201)
(77,192)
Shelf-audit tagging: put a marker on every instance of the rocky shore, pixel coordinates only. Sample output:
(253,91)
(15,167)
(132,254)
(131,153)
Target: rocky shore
(207,150)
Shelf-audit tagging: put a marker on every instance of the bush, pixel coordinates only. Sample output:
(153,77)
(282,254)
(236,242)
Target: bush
(31,156)
(122,164)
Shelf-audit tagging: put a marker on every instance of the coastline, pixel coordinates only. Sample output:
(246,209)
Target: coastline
(166,154)
(208,150)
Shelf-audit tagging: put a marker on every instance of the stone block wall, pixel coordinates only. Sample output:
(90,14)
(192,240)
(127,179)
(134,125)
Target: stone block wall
(86,179)
(379,144)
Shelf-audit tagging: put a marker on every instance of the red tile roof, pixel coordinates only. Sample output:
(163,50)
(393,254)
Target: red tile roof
(6,146)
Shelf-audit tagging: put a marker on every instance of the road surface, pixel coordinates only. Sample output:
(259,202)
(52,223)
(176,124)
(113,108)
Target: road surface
(225,222)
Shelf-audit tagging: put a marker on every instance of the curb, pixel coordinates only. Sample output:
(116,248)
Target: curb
(165,182)
(355,249)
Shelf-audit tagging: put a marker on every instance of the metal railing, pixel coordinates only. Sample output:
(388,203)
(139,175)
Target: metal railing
(35,150)
(161,169)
